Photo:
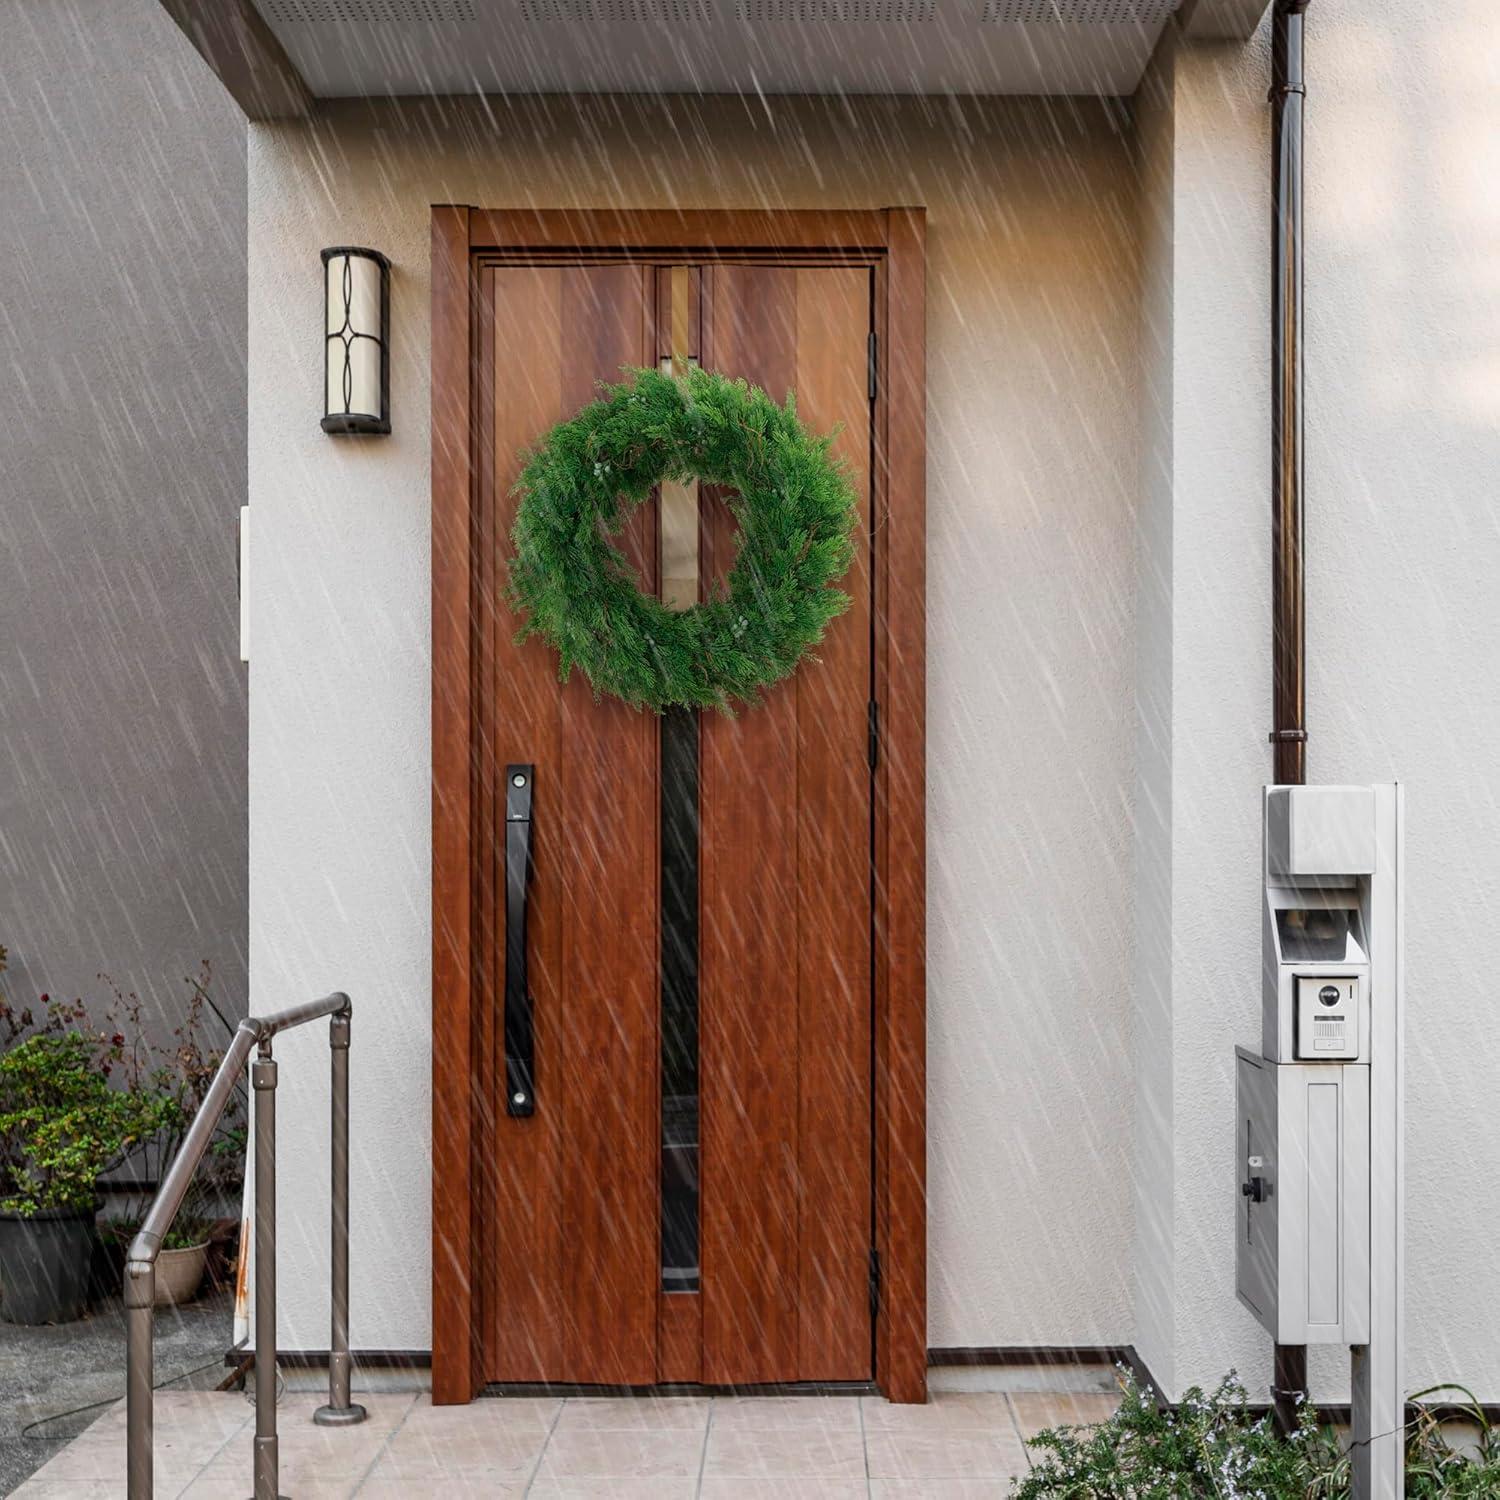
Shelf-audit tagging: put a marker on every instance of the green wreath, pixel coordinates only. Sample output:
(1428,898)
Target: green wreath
(796,512)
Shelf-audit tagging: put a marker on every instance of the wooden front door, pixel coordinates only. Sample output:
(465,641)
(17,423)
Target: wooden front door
(693,1195)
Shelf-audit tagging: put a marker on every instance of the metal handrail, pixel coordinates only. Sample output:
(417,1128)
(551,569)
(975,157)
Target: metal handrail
(140,1266)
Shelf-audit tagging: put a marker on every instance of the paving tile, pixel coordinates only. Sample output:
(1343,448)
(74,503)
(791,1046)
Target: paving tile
(784,1453)
(758,1413)
(587,1454)
(70,1489)
(945,1411)
(1037,1410)
(612,1488)
(476,1488)
(421,1456)
(384,1411)
(962,1445)
(226,1479)
(99,1457)
(517,1416)
(521,1414)
(521,1420)
(333,1458)
(634,1414)
(784,1489)
(943,1455)
(941,1489)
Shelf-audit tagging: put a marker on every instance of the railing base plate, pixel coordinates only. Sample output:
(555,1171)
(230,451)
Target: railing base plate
(340,1416)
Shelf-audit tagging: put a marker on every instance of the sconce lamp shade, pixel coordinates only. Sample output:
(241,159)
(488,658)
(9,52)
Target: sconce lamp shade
(356,326)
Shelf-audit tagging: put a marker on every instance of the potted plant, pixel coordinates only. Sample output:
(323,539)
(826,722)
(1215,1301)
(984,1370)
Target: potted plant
(179,1074)
(62,1126)
(180,1264)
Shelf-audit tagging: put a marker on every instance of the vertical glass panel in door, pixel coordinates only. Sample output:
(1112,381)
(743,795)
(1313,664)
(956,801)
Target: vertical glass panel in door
(679,1000)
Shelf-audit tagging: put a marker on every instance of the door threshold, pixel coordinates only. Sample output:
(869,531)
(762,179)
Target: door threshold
(502,1389)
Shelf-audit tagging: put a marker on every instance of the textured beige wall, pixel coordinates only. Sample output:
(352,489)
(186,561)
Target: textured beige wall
(1031,481)
(1403,458)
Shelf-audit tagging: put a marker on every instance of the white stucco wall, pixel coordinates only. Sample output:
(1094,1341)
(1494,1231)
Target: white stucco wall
(1403,551)
(1155,1229)
(1032,347)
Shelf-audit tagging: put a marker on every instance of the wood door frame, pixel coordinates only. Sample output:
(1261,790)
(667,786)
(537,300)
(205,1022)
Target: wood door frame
(893,241)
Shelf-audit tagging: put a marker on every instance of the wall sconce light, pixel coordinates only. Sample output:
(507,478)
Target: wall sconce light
(356,326)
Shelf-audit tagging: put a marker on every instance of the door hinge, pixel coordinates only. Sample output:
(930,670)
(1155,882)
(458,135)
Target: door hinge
(874,1283)
(872,733)
(873,365)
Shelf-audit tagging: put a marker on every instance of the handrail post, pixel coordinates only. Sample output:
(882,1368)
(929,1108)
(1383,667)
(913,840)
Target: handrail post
(140,1261)
(340,1411)
(140,1377)
(267,1465)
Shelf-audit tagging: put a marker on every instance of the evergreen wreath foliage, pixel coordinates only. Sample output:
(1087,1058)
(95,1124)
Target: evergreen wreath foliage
(793,502)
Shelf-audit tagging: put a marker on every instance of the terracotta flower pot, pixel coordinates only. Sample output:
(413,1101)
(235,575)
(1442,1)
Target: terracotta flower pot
(44,1265)
(179,1273)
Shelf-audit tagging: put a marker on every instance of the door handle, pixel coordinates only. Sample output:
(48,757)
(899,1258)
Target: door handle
(520,1038)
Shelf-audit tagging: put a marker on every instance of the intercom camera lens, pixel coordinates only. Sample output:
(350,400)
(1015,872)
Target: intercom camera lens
(1329,994)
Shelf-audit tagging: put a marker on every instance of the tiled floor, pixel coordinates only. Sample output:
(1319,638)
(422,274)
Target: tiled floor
(962,1444)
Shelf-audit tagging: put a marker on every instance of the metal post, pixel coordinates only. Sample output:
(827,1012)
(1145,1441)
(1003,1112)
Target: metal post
(1288,1385)
(140,1266)
(340,1411)
(1288,468)
(267,1465)
(1377,1368)
(1288,623)
(140,1377)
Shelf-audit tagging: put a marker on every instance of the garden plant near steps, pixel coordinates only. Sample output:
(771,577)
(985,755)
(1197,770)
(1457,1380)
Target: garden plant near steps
(1211,1446)
(62,1125)
(181,1073)
(76,1093)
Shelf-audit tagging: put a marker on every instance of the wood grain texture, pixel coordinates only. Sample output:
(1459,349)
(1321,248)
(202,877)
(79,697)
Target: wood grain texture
(455,1376)
(680,1347)
(233,38)
(552,1308)
(610,1062)
(747,961)
(487,831)
(574,1232)
(641,231)
(785,906)
(523,1245)
(901,822)
(834,868)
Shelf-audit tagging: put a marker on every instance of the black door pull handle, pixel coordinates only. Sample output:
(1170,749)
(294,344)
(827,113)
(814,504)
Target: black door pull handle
(520,1038)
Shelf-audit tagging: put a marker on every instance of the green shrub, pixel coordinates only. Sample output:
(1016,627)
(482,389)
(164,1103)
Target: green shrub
(1206,1446)
(62,1125)
(1210,1445)
(1435,1467)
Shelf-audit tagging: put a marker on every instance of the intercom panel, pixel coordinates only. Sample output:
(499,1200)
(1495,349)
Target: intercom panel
(1327,1017)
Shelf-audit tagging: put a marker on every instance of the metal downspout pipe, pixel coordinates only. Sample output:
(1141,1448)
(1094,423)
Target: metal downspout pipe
(1288,623)
(1288,619)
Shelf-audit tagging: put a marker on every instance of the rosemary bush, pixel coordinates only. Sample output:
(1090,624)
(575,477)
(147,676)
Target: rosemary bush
(1211,1446)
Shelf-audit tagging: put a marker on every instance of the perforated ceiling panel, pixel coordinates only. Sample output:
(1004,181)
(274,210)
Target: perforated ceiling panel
(1077,12)
(815,12)
(661,12)
(756,47)
(367,12)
